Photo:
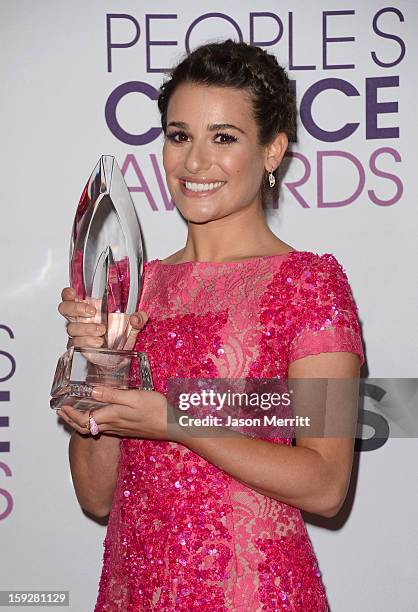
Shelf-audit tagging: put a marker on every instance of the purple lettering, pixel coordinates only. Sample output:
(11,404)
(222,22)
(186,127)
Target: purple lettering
(320,178)
(156,43)
(111,45)
(143,186)
(306,110)
(12,365)
(208,16)
(379,32)
(326,39)
(110,113)
(6,494)
(375,108)
(292,186)
(168,203)
(265,43)
(399,187)
(292,66)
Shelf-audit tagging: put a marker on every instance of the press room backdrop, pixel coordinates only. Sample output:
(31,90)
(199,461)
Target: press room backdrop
(79,79)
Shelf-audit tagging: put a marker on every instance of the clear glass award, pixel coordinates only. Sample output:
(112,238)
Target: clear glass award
(106,266)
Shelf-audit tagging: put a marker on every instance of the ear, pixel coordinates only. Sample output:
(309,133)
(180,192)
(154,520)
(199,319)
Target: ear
(275,152)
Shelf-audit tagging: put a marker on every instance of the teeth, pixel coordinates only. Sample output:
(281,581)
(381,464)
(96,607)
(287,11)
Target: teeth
(202,186)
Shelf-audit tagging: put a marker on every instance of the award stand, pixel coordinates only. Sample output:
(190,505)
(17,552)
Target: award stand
(106,265)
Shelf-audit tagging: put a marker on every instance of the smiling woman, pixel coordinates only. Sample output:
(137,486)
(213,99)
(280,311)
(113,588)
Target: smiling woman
(214,523)
(244,115)
(213,171)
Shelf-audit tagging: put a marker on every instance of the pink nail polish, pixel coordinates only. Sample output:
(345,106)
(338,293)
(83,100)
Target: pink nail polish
(94,430)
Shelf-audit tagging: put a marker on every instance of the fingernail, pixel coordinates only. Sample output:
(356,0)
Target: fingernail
(90,310)
(94,430)
(97,393)
(135,320)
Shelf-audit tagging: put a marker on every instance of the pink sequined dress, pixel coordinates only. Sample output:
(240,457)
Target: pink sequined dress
(183,535)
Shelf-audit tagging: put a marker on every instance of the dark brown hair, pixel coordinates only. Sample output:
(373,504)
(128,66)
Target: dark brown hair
(241,66)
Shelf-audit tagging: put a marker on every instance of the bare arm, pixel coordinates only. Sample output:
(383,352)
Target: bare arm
(93,462)
(313,475)
(93,465)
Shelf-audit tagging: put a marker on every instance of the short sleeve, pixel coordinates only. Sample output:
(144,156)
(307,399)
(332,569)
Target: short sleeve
(326,315)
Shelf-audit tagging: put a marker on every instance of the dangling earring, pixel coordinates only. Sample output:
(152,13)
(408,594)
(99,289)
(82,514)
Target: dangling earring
(272,179)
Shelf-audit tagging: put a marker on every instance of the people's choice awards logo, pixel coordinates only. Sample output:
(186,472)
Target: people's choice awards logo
(367,106)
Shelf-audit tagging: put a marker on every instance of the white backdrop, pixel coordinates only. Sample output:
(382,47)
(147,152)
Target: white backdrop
(56,86)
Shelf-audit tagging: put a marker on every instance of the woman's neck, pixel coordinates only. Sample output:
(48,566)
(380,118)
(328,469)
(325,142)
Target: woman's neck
(229,239)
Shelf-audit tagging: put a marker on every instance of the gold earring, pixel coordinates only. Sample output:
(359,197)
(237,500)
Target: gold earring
(272,179)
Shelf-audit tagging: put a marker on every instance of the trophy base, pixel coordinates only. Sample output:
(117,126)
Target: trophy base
(79,369)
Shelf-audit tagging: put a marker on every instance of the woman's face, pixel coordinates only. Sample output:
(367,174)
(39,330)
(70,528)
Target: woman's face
(199,150)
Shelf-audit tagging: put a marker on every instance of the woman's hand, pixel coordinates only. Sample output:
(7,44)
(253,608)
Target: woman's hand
(89,333)
(126,413)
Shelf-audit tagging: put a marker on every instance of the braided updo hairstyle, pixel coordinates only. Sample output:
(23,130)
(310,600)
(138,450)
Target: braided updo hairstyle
(241,66)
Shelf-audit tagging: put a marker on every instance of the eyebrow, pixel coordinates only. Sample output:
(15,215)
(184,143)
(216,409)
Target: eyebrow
(213,127)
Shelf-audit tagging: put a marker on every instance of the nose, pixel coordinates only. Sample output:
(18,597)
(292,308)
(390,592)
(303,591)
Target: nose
(198,158)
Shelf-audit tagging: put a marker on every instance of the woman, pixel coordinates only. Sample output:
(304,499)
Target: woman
(214,523)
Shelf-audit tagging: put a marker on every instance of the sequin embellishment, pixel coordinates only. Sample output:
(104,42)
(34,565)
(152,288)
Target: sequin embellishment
(183,535)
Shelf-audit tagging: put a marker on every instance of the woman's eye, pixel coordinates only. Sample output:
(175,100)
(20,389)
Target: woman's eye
(172,135)
(229,138)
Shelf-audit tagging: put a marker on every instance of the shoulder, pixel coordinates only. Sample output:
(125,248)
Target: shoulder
(312,290)
(321,313)
(307,273)
(150,263)
(321,294)
(303,260)
(149,269)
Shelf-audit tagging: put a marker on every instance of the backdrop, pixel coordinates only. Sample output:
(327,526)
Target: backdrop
(80,79)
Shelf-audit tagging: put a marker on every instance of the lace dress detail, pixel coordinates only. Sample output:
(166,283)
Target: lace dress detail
(183,535)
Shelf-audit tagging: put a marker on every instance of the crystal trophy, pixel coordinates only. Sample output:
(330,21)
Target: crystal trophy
(106,266)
